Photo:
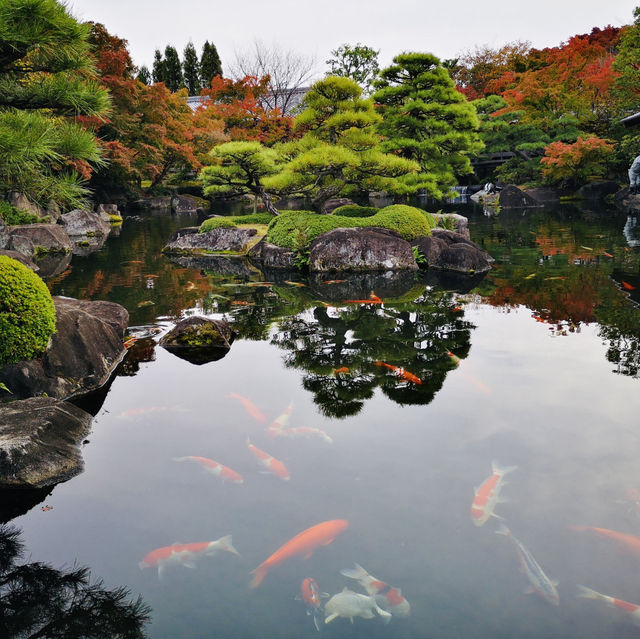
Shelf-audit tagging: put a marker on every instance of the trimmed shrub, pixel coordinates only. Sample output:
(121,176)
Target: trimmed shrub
(13,216)
(355,210)
(27,313)
(232,221)
(297,229)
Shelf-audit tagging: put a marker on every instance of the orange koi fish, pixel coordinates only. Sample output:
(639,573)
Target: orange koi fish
(185,554)
(128,343)
(273,465)
(266,284)
(250,407)
(632,610)
(241,303)
(625,542)
(627,286)
(488,495)
(341,371)
(311,596)
(457,309)
(607,254)
(400,372)
(151,275)
(290,283)
(304,544)
(387,597)
(334,281)
(530,276)
(215,468)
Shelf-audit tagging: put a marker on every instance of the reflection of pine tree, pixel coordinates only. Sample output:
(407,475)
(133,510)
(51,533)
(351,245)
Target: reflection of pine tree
(39,601)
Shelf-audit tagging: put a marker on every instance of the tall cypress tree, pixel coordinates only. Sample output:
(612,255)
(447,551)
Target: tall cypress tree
(191,70)
(144,76)
(158,72)
(210,65)
(173,69)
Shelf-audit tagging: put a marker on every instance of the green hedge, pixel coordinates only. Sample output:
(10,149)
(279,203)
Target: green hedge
(232,221)
(27,313)
(297,229)
(355,210)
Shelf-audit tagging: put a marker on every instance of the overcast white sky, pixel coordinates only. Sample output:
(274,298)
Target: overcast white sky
(445,28)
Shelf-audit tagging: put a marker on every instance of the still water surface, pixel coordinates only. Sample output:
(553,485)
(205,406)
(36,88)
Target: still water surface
(547,381)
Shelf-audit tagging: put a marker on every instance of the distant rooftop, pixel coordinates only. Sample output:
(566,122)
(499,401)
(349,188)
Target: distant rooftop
(631,120)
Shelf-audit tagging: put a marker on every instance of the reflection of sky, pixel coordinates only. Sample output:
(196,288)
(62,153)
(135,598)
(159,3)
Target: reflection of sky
(403,476)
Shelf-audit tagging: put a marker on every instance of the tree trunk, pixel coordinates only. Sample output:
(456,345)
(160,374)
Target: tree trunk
(322,196)
(268,203)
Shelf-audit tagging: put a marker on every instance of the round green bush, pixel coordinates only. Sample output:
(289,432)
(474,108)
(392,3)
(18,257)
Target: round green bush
(410,221)
(355,210)
(27,313)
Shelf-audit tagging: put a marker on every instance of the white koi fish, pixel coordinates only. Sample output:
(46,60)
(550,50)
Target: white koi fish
(540,583)
(632,610)
(185,554)
(300,431)
(487,496)
(350,604)
(387,597)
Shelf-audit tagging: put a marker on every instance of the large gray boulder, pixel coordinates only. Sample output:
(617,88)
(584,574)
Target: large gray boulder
(450,251)
(199,339)
(511,197)
(80,356)
(181,204)
(107,212)
(37,239)
(597,190)
(270,256)
(188,241)
(39,442)
(152,203)
(360,249)
(19,257)
(79,223)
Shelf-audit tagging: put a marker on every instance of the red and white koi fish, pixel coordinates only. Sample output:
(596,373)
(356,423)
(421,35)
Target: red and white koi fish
(454,358)
(540,583)
(304,543)
(215,468)
(607,254)
(280,422)
(312,598)
(334,281)
(143,410)
(185,554)
(626,543)
(488,495)
(387,597)
(632,610)
(301,431)
(400,372)
(129,342)
(374,299)
(290,283)
(273,465)
(250,407)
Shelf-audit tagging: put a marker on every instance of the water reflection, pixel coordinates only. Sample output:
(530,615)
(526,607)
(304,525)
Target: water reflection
(39,601)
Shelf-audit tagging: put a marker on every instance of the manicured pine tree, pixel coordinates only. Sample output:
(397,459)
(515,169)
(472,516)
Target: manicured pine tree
(424,118)
(173,69)
(144,76)
(191,69)
(158,72)
(210,65)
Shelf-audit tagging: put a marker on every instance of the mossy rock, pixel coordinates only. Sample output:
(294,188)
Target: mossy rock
(27,313)
(199,339)
(232,221)
(297,229)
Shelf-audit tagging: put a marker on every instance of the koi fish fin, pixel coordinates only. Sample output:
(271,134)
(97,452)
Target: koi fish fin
(142,565)
(354,573)
(497,517)
(500,470)
(161,571)
(188,564)
(226,544)
(315,622)
(330,618)
(308,555)
(587,593)
(383,613)
(503,530)
(258,575)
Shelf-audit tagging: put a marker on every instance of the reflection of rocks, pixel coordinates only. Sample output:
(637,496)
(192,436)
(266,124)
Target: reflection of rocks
(451,280)
(15,502)
(270,256)
(40,438)
(22,259)
(511,197)
(53,264)
(81,354)
(144,350)
(33,239)
(360,249)
(199,340)
(597,190)
(219,264)
(450,251)
(152,203)
(391,284)
(187,241)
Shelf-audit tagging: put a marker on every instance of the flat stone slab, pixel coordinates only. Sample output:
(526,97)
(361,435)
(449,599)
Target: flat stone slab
(39,442)
(188,241)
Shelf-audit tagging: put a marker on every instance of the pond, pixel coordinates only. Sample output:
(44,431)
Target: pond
(534,366)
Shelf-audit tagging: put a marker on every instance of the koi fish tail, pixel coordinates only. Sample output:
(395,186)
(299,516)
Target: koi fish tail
(358,572)
(258,575)
(226,544)
(503,530)
(579,528)
(502,470)
(181,459)
(587,593)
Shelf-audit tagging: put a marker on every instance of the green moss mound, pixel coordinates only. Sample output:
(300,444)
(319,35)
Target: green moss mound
(297,229)
(232,221)
(13,216)
(27,313)
(355,210)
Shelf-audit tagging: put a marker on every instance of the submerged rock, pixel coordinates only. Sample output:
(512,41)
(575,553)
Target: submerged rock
(451,251)
(39,442)
(199,340)
(188,241)
(361,249)
(80,356)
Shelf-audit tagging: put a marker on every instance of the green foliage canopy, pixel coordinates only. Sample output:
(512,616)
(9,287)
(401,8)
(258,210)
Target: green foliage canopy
(358,62)
(210,65)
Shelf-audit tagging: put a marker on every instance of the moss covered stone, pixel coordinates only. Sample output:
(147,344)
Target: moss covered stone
(297,229)
(27,313)
(234,220)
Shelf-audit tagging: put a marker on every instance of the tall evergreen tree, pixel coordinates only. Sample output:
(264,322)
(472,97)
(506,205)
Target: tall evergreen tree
(627,64)
(144,76)
(191,70)
(210,65)
(159,72)
(173,69)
